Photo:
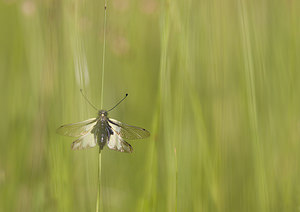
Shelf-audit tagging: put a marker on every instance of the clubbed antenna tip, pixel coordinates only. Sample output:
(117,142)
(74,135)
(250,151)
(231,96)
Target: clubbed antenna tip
(118,102)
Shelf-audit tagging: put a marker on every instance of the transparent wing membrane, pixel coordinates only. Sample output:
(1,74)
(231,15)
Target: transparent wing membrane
(77,129)
(127,131)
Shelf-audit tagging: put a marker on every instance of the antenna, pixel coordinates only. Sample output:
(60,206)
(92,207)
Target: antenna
(118,102)
(87,99)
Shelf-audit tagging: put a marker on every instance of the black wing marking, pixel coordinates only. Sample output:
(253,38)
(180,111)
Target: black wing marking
(117,143)
(127,131)
(77,129)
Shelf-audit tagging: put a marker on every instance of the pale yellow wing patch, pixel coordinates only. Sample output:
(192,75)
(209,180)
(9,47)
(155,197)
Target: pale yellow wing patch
(117,143)
(84,142)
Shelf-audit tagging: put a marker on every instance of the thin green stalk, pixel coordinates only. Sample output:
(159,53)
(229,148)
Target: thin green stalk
(99,182)
(98,207)
(103,54)
(176,179)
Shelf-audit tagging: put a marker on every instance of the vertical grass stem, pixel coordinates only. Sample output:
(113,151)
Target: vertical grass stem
(99,183)
(98,207)
(103,54)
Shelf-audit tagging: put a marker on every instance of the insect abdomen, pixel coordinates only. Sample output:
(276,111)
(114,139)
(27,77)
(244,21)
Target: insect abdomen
(102,133)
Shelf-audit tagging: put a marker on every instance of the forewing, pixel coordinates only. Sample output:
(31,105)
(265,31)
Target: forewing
(84,142)
(117,143)
(127,131)
(77,129)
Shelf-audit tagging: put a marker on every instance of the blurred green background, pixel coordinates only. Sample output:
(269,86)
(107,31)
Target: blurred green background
(217,84)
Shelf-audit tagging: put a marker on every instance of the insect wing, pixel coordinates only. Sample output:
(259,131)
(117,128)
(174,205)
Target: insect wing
(77,129)
(127,131)
(84,142)
(117,143)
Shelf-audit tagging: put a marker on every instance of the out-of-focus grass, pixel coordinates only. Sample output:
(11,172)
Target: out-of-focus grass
(215,81)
